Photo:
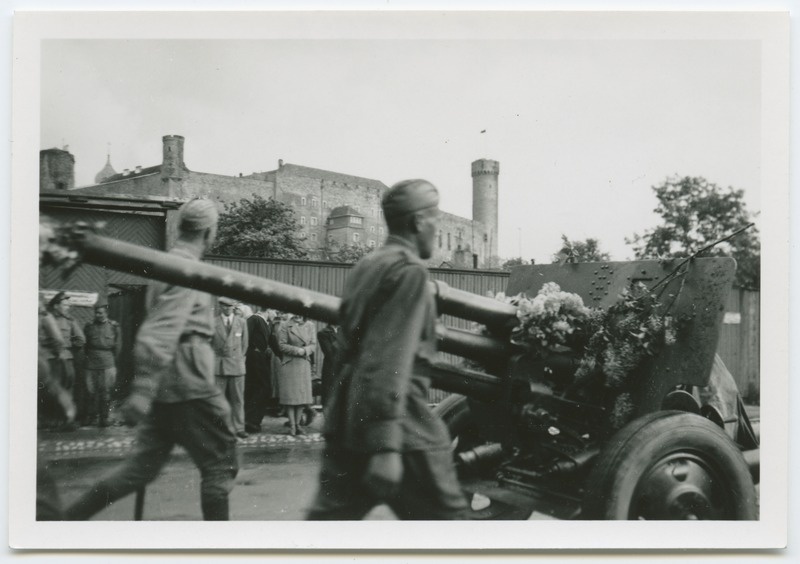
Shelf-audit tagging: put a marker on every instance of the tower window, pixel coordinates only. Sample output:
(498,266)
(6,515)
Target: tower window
(303,201)
(313,236)
(448,242)
(356,237)
(313,221)
(302,220)
(314,202)
(372,229)
(371,244)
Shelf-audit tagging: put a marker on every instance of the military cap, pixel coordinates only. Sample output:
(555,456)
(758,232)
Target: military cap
(57,299)
(409,196)
(198,214)
(227,301)
(101,302)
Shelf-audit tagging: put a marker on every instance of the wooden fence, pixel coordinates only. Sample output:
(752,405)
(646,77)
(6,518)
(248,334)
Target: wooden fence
(738,345)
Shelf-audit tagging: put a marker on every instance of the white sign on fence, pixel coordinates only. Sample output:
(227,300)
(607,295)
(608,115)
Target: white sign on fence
(80,299)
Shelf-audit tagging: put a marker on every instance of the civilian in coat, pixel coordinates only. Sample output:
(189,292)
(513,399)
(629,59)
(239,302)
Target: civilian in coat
(257,380)
(297,340)
(230,344)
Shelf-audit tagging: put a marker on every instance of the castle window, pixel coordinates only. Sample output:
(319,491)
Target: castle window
(313,236)
(485,238)
(356,220)
(448,242)
(371,244)
(380,231)
(303,201)
(302,220)
(314,202)
(313,221)
(325,204)
(356,237)
(303,235)
(372,229)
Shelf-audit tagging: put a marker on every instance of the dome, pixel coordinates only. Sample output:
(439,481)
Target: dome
(107,172)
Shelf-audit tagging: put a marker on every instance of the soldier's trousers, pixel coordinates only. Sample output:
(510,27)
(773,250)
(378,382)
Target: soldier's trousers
(429,489)
(202,427)
(99,383)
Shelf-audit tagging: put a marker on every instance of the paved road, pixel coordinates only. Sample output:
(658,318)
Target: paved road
(276,481)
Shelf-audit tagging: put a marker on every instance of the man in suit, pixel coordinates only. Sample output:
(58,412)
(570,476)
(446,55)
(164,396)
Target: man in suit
(257,381)
(384,444)
(230,343)
(174,398)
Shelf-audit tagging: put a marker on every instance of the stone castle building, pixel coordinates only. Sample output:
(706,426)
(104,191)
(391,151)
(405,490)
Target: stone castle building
(331,207)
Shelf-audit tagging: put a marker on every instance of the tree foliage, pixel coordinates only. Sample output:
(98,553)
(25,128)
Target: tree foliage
(696,213)
(516,261)
(259,228)
(580,251)
(338,252)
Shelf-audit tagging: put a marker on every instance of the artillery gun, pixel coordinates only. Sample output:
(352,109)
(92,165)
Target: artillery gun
(524,436)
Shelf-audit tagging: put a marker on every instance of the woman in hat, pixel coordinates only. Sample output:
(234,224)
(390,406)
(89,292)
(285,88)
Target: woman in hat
(297,341)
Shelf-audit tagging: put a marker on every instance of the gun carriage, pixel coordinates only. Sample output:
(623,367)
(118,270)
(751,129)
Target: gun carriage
(525,436)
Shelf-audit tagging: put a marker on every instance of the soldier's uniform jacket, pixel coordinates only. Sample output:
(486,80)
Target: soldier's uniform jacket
(174,360)
(70,336)
(102,344)
(230,346)
(379,399)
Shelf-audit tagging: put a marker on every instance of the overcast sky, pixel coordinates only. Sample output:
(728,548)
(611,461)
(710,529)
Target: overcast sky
(582,129)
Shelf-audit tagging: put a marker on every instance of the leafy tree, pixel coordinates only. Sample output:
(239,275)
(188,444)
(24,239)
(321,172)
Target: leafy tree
(516,261)
(696,213)
(339,252)
(259,228)
(580,251)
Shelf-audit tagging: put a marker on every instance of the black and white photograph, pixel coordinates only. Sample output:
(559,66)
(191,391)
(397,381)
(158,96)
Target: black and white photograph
(400,280)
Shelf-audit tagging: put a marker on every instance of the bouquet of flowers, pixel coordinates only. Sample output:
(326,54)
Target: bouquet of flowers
(610,346)
(553,321)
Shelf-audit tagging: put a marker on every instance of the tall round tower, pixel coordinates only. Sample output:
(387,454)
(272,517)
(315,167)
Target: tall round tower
(172,165)
(484,202)
(56,169)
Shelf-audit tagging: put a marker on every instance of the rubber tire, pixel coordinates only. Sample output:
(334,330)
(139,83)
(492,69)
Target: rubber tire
(455,413)
(639,446)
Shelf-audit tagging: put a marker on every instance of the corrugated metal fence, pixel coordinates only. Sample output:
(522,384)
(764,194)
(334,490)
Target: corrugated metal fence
(739,339)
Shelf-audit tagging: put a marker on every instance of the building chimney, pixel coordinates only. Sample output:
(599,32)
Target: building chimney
(280,163)
(138,169)
(126,172)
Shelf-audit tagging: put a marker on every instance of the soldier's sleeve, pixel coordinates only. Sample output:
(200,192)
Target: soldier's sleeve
(159,336)
(389,346)
(56,340)
(117,339)
(77,337)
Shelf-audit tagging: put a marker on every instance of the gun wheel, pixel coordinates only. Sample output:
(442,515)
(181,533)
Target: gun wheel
(456,415)
(670,465)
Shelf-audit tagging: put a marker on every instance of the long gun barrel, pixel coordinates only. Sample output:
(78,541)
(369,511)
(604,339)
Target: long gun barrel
(134,259)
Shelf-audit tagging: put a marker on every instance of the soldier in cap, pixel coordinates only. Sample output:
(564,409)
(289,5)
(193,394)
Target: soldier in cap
(174,397)
(384,445)
(103,345)
(59,345)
